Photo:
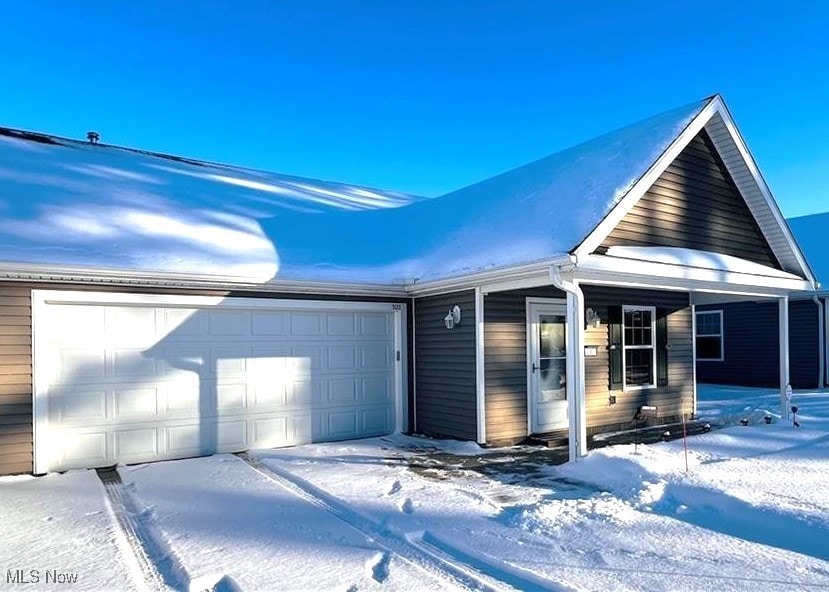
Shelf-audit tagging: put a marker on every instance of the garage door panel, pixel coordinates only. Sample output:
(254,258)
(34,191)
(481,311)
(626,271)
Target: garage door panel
(377,389)
(136,445)
(270,324)
(184,324)
(159,382)
(82,448)
(224,323)
(71,322)
(341,357)
(70,404)
(135,403)
(306,323)
(376,421)
(342,324)
(376,325)
(342,391)
(132,325)
(375,356)
(80,364)
(129,364)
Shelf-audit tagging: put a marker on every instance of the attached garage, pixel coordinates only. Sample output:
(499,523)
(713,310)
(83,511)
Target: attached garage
(124,378)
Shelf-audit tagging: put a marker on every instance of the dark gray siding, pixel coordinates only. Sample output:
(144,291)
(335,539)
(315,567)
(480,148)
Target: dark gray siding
(16,428)
(695,204)
(671,399)
(752,348)
(445,367)
(505,362)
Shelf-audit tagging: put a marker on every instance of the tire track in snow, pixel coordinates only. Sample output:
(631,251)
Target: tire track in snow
(157,563)
(441,561)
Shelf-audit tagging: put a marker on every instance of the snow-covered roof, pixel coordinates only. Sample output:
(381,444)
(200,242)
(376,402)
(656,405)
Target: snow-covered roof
(811,233)
(71,204)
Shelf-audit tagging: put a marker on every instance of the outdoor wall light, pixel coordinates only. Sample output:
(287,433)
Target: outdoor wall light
(592,318)
(453,317)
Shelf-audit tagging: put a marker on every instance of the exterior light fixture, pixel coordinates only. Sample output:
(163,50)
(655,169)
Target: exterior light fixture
(453,317)
(592,318)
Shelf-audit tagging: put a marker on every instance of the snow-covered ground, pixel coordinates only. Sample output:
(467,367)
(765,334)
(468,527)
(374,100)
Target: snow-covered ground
(751,512)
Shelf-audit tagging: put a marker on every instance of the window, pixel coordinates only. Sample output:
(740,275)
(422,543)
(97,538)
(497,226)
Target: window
(709,336)
(638,336)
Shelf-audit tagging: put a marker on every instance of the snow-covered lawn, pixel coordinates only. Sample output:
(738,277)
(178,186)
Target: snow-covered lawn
(752,512)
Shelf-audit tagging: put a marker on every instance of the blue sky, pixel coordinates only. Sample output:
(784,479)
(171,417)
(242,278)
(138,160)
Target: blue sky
(421,96)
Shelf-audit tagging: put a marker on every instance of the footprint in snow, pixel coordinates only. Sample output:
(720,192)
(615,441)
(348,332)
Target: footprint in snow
(395,487)
(378,567)
(407,507)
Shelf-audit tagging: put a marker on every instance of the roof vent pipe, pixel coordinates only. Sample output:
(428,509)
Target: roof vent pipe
(93,137)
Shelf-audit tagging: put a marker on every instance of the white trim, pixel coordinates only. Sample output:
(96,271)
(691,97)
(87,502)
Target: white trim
(652,347)
(721,335)
(132,278)
(694,357)
(577,407)
(598,235)
(500,275)
(743,158)
(40,378)
(706,119)
(783,326)
(40,368)
(480,370)
(401,387)
(414,366)
(623,271)
(821,329)
(825,338)
(181,300)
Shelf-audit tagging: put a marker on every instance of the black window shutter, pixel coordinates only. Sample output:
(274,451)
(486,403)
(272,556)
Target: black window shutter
(615,328)
(661,347)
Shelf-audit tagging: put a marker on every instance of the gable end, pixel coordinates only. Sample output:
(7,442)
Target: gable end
(694,204)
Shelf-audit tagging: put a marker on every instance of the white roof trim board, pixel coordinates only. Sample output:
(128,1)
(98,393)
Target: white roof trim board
(70,211)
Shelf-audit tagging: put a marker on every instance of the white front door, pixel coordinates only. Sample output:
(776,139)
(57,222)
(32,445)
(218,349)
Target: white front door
(547,364)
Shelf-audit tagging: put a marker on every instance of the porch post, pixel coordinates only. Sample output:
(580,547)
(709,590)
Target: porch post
(783,316)
(575,373)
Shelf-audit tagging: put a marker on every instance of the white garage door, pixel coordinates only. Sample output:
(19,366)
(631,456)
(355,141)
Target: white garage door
(125,378)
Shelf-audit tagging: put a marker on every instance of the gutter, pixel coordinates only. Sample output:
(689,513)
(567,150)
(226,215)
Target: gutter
(577,410)
(821,332)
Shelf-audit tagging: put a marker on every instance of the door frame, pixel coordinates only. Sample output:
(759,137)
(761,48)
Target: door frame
(530,306)
(41,366)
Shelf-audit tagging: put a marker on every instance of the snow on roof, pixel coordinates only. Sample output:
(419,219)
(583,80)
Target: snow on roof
(811,234)
(71,204)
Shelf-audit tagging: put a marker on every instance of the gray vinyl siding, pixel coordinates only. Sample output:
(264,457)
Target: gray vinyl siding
(751,346)
(672,399)
(16,385)
(695,204)
(505,362)
(16,449)
(445,367)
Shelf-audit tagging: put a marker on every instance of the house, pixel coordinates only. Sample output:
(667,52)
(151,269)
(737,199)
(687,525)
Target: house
(728,334)
(154,307)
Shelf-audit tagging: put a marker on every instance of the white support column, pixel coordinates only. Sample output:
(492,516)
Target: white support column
(783,323)
(576,403)
(577,409)
(480,373)
(694,355)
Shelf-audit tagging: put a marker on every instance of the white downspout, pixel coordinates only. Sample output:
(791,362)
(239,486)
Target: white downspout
(576,405)
(821,340)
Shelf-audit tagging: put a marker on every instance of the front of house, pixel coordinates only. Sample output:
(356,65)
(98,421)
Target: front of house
(556,299)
